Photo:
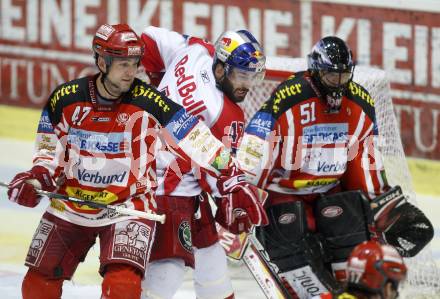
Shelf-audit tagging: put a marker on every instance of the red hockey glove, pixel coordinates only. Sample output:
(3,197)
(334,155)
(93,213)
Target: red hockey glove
(240,219)
(22,187)
(241,201)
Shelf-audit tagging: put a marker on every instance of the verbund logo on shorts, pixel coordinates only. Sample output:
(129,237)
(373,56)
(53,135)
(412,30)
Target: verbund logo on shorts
(325,134)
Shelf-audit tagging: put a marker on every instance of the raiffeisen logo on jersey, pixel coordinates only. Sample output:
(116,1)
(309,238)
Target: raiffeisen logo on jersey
(325,133)
(96,142)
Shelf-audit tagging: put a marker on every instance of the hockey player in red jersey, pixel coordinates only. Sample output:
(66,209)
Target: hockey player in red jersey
(208,80)
(374,271)
(97,140)
(313,145)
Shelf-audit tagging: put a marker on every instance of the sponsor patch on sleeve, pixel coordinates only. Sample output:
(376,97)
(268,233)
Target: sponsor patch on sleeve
(181,124)
(45,126)
(261,124)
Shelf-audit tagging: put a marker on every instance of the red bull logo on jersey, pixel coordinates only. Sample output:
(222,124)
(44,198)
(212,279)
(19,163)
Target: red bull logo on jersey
(186,86)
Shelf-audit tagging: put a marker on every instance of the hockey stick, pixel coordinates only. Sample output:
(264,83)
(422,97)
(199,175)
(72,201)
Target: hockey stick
(245,247)
(97,205)
(269,282)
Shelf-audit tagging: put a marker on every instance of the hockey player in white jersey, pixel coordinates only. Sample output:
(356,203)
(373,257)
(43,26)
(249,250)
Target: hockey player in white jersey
(208,80)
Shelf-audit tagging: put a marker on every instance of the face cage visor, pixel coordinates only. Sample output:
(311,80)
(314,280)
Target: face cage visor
(336,80)
(244,78)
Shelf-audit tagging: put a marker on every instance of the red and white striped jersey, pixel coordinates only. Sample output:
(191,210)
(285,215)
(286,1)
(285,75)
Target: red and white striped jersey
(107,153)
(189,81)
(294,145)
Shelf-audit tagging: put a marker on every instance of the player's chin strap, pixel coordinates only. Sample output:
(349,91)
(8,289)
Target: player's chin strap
(103,80)
(118,209)
(400,223)
(108,63)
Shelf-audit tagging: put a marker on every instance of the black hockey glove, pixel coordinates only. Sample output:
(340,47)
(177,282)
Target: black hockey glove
(400,223)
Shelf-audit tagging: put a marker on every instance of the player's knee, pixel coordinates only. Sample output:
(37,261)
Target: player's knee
(163,278)
(211,278)
(121,282)
(210,262)
(38,286)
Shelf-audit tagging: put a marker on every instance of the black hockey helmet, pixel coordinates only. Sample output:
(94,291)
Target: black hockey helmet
(331,65)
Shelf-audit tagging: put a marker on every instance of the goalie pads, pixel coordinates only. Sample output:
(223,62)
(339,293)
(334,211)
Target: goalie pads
(400,223)
(343,219)
(295,254)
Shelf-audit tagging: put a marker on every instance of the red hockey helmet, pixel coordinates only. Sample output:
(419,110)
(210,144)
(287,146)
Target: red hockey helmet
(117,41)
(371,265)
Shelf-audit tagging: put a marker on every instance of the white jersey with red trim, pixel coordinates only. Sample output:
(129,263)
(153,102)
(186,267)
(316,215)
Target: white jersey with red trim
(294,145)
(106,153)
(189,81)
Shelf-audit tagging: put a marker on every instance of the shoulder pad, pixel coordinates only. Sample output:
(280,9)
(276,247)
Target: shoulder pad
(148,98)
(361,96)
(290,92)
(66,94)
